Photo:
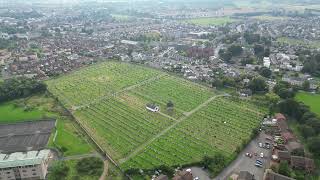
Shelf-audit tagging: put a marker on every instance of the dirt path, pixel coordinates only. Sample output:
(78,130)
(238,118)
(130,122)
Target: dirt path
(116,93)
(79,156)
(188,114)
(105,170)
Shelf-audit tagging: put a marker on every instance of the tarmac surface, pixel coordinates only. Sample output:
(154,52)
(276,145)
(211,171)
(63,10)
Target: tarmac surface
(244,163)
(25,136)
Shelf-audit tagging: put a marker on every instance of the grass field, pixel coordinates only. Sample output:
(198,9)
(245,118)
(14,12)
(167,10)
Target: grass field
(117,119)
(210,21)
(270,18)
(38,107)
(11,114)
(290,41)
(312,100)
(69,140)
(120,17)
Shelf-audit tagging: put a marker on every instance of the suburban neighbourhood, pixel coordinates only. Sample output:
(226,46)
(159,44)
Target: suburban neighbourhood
(183,90)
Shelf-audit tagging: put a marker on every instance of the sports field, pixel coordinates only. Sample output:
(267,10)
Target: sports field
(312,100)
(202,122)
(210,21)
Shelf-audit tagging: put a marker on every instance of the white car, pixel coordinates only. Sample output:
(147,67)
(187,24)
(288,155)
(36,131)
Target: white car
(196,178)
(261,155)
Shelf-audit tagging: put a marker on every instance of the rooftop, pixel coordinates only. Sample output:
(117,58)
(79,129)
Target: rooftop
(23,158)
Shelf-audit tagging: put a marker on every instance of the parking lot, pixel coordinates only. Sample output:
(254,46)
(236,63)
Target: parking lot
(245,163)
(31,135)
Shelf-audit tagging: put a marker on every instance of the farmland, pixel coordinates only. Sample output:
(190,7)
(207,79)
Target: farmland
(311,100)
(115,116)
(210,21)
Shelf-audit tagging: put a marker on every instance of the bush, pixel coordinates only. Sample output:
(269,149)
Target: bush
(90,166)
(58,171)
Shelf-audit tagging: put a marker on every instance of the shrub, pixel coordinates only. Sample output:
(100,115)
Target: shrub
(90,166)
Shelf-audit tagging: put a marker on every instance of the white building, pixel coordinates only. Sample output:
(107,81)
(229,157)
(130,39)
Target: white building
(266,62)
(24,165)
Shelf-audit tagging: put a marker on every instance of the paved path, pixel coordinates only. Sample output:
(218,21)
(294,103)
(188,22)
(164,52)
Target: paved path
(141,147)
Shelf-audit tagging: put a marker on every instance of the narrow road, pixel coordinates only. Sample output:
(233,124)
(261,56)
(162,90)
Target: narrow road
(105,170)
(79,156)
(188,114)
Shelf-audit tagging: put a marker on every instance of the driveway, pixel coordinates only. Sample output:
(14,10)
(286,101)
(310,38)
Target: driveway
(244,163)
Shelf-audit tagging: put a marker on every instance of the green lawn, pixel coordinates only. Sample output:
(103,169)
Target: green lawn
(120,17)
(270,18)
(38,107)
(11,114)
(312,100)
(290,41)
(69,139)
(210,21)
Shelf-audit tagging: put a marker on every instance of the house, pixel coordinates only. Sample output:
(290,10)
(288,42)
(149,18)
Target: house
(303,163)
(270,175)
(25,165)
(287,136)
(284,156)
(266,62)
(183,175)
(245,92)
(245,175)
(152,107)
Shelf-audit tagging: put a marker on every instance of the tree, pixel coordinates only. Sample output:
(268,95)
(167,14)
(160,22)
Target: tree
(286,93)
(306,116)
(59,170)
(307,131)
(20,87)
(249,60)
(265,72)
(314,123)
(235,50)
(258,50)
(284,168)
(258,85)
(90,166)
(217,83)
(306,85)
(314,145)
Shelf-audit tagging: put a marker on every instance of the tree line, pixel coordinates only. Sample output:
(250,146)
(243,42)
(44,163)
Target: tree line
(20,87)
(308,122)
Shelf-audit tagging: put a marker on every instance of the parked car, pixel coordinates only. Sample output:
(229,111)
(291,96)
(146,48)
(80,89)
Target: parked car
(261,155)
(260,145)
(249,155)
(259,161)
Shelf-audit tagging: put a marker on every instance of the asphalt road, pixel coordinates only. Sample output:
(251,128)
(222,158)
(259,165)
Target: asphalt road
(244,163)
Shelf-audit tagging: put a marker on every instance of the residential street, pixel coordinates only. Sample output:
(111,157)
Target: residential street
(244,163)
